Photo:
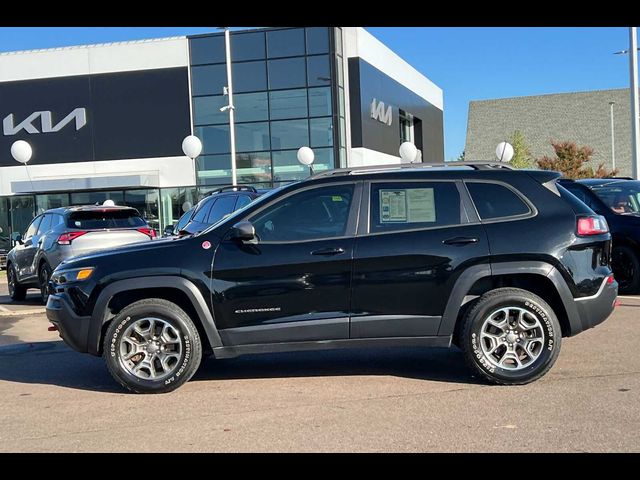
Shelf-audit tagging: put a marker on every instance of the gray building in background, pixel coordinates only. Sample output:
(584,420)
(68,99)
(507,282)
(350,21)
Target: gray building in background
(582,117)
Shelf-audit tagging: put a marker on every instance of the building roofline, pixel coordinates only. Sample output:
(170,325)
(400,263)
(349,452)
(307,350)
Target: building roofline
(551,94)
(93,45)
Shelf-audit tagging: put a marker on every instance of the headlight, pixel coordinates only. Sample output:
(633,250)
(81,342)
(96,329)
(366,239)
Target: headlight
(72,275)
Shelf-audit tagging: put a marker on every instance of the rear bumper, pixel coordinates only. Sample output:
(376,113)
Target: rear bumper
(597,308)
(73,328)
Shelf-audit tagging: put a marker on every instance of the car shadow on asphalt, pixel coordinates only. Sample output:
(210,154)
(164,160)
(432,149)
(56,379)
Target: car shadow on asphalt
(33,298)
(434,364)
(53,363)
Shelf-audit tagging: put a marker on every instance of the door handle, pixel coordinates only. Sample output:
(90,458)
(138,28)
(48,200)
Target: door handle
(460,240)
(328,251)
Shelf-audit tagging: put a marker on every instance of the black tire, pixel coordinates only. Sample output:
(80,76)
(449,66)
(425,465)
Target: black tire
(172,314)
(44,274)
(483,363)
(626,269)
(17,292)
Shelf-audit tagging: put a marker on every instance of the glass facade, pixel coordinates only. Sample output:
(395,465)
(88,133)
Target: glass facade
(286,82)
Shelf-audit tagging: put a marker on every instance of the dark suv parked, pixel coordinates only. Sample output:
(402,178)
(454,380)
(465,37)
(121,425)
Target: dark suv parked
(209,210)
(62,233)
(502,263)
(617,200)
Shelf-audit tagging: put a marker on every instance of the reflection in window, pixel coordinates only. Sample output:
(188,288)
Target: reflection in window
(288,104)
(91,198)
(286,167)
(311,214)
(249,77)
(289,134)
(215,138)
(250,107)
(321,132)
(52,200)
(317,40)
(319,102)
(253,167)
(318,71)
(285,43)
(247,46)
(208,80)
(206,110)
(287,73)
(252,137)
(323,159)
(207,50)
(214,169)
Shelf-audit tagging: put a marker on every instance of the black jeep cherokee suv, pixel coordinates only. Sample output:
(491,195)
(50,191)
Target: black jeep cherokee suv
(501,263)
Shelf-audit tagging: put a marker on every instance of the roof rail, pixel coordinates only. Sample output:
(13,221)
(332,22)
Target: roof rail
(237,188)
(478,165)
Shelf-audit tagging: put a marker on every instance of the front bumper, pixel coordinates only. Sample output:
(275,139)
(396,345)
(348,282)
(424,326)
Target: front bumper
(597,308)
(73,328)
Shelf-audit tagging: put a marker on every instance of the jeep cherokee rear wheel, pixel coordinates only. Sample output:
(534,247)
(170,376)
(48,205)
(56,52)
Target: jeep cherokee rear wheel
(152,346)
(511,336)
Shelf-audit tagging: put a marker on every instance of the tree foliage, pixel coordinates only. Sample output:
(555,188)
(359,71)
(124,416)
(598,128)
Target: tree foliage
(460,157)
(572,161)
(521,152)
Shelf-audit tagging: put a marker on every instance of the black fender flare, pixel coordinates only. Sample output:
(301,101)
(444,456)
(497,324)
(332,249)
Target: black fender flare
(99,316)
(476,272)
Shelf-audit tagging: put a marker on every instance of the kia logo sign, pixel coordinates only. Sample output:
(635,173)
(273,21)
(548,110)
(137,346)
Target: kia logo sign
(379,113)
(10,128)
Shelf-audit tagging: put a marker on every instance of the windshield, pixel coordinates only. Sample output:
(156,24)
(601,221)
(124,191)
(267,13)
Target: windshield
(261,199)
(621,197)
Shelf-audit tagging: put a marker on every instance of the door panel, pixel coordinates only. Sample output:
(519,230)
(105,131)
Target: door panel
(25,253)
(293,283)
(419,238)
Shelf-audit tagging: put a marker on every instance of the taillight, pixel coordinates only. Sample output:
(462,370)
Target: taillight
(67,238)
(148,231)
(594,225)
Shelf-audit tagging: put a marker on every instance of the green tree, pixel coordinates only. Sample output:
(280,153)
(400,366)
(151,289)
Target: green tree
(572,160)
(521,152)
(460,157)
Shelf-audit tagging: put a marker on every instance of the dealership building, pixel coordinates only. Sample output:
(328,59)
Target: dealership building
(107,121)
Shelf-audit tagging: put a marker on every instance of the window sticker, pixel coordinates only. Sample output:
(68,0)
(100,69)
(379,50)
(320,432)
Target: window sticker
(411,205)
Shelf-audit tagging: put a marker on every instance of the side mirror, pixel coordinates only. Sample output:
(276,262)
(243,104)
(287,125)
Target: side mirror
(17,237)
(168,230)
(243,231)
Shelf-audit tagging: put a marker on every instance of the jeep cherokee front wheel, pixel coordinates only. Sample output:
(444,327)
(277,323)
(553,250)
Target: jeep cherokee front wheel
(511,336)
(152,346)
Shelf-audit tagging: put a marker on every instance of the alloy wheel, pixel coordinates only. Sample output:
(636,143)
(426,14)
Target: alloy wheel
(512,338)
(150,349)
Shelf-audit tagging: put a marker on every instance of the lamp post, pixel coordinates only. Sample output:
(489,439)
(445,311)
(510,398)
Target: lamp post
(228,90)
(408,152)
(192,147)
(613,142)
(635,124)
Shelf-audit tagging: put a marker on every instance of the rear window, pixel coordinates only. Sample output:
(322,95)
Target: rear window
(96,219)
(496,201)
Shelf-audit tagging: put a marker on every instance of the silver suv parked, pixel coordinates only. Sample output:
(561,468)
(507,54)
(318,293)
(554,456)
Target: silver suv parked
(62,233)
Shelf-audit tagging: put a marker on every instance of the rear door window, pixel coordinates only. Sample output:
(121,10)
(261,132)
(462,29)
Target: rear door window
(413,205)
(243,201)
(203,212)
(101,219)
(494,201)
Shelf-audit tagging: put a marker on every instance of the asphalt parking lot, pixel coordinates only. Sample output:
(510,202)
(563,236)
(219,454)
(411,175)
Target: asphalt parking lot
(409,400)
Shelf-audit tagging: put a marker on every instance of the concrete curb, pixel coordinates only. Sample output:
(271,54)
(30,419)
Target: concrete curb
(13,313)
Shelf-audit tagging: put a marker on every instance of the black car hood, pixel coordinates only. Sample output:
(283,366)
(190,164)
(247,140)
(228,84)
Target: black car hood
(166,242)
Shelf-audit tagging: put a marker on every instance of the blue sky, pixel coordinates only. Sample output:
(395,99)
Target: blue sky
(467,63)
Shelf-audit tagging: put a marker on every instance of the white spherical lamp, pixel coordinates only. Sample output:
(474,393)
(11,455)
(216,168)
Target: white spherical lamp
(186,206)
(408,152)
(109,203)
(191,146)
(504,152)
(306,156)
(21,151)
